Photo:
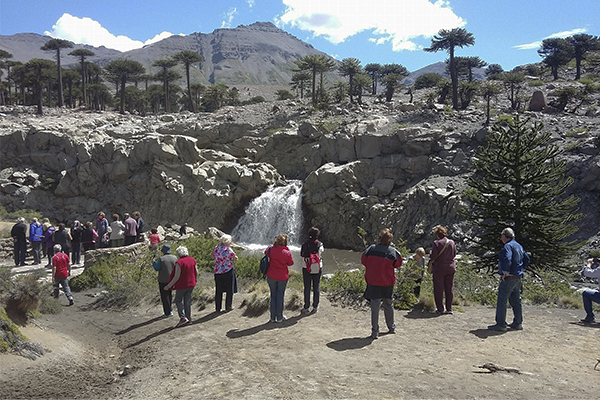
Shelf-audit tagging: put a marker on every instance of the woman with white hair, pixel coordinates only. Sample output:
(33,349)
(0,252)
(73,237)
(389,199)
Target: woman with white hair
(183,279)
(225,279)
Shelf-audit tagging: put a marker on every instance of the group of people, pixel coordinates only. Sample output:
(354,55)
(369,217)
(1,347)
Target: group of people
(80,237)
(381,260)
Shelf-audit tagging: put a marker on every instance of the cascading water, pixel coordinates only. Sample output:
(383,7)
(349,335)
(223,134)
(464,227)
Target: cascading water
(278,210)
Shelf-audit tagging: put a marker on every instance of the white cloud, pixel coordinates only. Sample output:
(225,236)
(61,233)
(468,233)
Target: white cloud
(250,3)
(229,15)
(394,21)
(562,34)
(88,31)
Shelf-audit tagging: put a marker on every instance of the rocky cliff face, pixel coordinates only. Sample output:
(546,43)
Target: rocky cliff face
(372,166)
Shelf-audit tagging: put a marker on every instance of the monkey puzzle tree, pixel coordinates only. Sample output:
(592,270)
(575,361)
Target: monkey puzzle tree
(124,71)
(374,71)
(36,72)
(392,74)
(519,181)
(299,80)
(82,54)
(165,64)
(56,45)
(187,58)
(350,67)
(315,63)
(556,53)
(582,44)
(448,40)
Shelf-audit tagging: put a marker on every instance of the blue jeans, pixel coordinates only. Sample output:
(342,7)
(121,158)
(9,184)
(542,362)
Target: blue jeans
(277,293)
(37,252)
(183,301)
(314,280)
(509,290)
(588,297)
(64,282)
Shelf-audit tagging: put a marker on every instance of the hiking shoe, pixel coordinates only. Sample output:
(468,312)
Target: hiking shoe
(304,311)
(167,315)
(283,318)
(450,312)
(374,336)
(314,310)
(182,322)
(71,302)
(497,328)
(392,331)
(515,327)
(588,320)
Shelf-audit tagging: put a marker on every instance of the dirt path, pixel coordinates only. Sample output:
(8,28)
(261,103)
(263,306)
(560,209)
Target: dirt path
(324,355)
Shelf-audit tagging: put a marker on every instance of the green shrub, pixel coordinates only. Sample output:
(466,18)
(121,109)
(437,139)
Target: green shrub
(10,334)
(246,267)
(547,288)
(25,294)
(27,213)
(427,80)
(201,249)
(536,83)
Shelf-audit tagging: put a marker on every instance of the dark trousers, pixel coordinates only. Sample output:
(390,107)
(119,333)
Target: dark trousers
(88,246)
(76,253)
(130,240)
(224,284)
(443,282)
(50,254)
(166,297)
(20,252)
(313,280)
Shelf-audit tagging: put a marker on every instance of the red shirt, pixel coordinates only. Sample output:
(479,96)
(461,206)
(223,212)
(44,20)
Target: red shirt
(154,239)
(187,279)
(280,258)
(379,261)
(60,263)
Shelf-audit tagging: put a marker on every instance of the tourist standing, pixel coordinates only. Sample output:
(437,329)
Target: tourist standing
(36,233)
(511,262)
(225,279)
(312,246)
(280,258)
(19,235)
(117,231)
(417,270)
(379,261)
(48,243)
(76,232)
(62,237)
(183,279)
(442,256)
(164,266)
(88,237)
(130,229)
(140,226)
(102,230)
(61,270)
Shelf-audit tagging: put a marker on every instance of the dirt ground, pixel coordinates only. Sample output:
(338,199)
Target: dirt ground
(323,355)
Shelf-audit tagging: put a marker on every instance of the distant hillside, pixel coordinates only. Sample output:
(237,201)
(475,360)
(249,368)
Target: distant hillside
(439,68)
(257,54)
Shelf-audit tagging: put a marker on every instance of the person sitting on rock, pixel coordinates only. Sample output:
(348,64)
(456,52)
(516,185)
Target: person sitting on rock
(591,270)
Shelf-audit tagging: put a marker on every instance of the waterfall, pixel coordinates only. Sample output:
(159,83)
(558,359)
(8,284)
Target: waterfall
(278,210)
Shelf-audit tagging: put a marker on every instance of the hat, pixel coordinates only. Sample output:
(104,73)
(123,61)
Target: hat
(166,249)
(57,248)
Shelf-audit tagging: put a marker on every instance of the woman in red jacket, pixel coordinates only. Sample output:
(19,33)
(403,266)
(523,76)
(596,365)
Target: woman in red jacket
(280,259)
(183,279)
(379,261)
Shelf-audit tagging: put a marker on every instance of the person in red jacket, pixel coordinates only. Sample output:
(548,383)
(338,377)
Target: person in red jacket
(61,270)
(183,279)
(379,261)
(280,259)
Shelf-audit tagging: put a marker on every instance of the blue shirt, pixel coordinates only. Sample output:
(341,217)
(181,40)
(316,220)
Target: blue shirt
(513,259)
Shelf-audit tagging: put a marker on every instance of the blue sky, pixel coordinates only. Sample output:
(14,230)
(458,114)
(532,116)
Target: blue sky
(507,32)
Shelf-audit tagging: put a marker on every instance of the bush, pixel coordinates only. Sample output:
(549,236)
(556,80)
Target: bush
(25,295)
(427,80)
(201,249)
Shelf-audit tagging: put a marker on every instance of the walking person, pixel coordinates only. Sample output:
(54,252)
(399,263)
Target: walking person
(280,258)
(312,269)
(76,232)
(380,260)
(511,262)
(61,270)
(443,268)
(183,279)
(19,235)
(225,278)
(164,266)
(36,233)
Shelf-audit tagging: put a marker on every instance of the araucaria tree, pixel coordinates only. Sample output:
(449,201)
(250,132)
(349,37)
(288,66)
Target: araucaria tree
(187,58)
(124,71)
(556,53)
(519,181)
(82,54)
(56,45)
(350,67)
(448,40)
(315,63)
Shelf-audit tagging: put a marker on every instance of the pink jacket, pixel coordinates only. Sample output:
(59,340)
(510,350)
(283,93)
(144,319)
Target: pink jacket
(280,258)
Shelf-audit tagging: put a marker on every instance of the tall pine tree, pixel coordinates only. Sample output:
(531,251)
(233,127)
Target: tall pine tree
(519,181)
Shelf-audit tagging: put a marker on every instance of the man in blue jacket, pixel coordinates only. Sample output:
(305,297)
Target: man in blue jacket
(511,262)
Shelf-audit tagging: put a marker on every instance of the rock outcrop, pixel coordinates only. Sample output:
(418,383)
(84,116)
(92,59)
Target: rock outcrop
(367,167)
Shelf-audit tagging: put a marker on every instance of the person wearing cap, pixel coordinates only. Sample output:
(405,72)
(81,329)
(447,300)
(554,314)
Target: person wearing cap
(164,266)
(19,235)
(61,270)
